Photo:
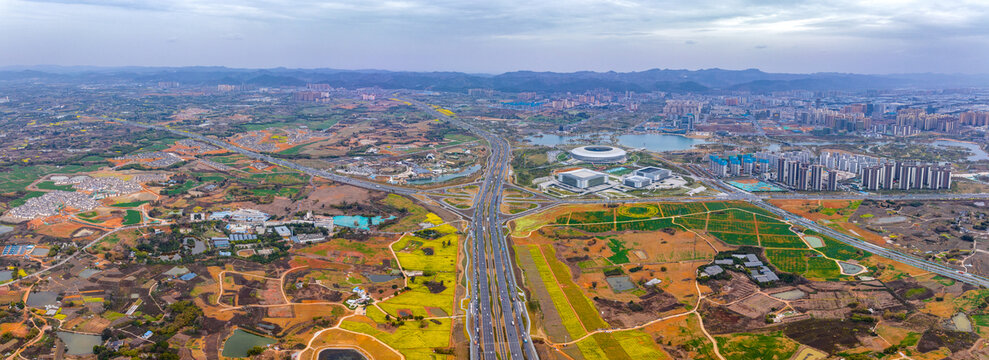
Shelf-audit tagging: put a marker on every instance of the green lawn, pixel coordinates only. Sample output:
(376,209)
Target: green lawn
(23,199)
(178,190)
(130,204)
(48,185)
(772,346)
(132,217)
(838,250)
(620,251)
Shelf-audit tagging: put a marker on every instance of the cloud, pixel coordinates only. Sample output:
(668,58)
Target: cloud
(549,34)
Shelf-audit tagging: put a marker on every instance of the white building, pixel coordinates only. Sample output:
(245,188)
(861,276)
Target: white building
(582,178)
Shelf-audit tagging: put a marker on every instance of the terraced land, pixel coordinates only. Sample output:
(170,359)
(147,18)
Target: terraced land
(430,295)
(568,314)
(733,223)
(572,315)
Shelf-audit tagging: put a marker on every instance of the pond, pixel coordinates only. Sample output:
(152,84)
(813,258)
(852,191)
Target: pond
(659,142)
(794,294)
(241,341)
(850,269)
(359,222)
(341,354)
(447,177)
(79,344)
(961,322)
(976,152)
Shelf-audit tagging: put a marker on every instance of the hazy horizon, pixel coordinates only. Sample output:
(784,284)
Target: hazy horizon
(73,68)
(874,37)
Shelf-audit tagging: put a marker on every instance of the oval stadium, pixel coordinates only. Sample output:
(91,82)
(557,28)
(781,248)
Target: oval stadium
(598,154)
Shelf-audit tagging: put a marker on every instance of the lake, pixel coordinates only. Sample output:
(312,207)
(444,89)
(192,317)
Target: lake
(341,354)
(977,154)
(79,344)
(554,140)
(241,341)
(659,142)
(358,222)
(447,177)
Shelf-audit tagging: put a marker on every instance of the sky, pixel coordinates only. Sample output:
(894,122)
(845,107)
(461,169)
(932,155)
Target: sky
(494,36)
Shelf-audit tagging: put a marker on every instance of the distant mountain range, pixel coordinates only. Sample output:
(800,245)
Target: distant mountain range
(679,81)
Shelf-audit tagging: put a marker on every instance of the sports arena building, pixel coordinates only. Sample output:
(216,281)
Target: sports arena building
(599,154)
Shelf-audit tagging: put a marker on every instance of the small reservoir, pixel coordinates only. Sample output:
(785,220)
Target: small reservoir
(241,341)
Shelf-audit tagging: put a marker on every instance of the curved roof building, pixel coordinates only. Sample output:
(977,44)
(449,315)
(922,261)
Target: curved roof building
(598,154)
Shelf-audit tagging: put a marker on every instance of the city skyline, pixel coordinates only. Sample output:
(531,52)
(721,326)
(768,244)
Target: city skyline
(501,36)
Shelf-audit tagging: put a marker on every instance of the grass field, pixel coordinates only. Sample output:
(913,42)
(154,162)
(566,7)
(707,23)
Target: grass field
(772,346)
(49,185)
(822,268)
(281,178)
(16,178)
(130,204)
(808,263)
(283,192)
(620,251)
(581,304)
(181,189)
(410,339)
(293,150)
(570,319)
(647,225)
(782,241)
(737,239)
(132,217)
(416,214)
(637,211)
(23,199)
(791,261)
(838,250)
(633,344)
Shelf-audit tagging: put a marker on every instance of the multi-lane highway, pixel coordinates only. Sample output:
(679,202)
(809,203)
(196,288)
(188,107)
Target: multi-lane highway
(498,323)
(497,320)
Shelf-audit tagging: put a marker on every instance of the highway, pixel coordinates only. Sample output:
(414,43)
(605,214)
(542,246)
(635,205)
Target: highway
(498,322)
